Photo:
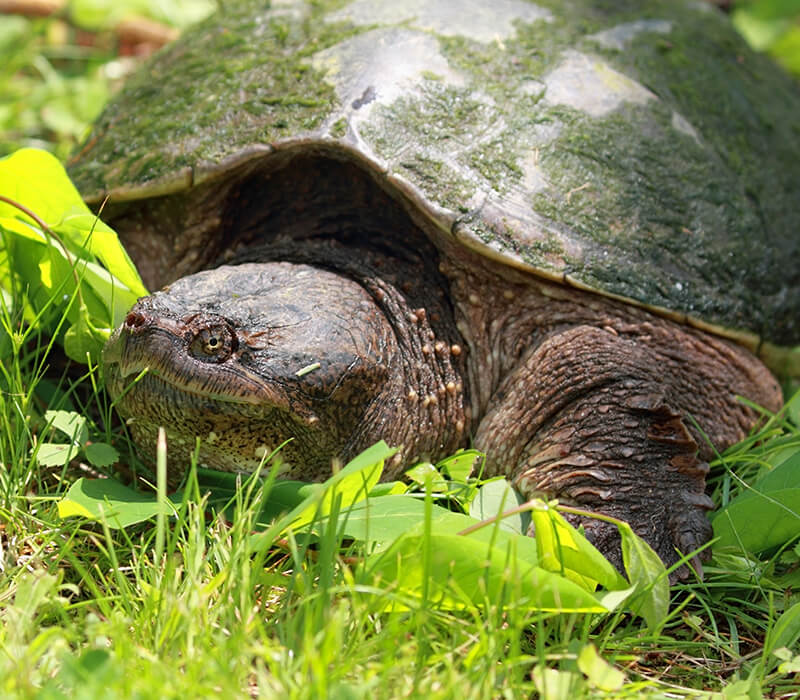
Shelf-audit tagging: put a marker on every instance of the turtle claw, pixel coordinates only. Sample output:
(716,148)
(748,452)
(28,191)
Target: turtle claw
(690,537)
(691,532)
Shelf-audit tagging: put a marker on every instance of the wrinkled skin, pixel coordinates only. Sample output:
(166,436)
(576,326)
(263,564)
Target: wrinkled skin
(570,394)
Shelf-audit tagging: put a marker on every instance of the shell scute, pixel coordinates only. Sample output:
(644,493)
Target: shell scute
(652,158)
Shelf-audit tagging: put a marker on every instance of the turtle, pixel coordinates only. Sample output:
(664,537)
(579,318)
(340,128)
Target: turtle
(561,232)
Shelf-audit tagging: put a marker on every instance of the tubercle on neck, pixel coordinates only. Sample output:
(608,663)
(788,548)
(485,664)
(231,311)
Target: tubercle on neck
(424,408)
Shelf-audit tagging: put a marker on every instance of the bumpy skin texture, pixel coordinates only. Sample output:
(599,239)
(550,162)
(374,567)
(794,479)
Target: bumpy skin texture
(329,360)
(571,395)
(599,413)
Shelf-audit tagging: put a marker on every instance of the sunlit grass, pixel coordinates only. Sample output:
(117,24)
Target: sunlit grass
(182,606)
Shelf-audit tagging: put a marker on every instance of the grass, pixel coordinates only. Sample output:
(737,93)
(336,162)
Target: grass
(182,606)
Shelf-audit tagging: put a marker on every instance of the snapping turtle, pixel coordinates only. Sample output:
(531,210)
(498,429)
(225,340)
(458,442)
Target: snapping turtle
(561,231)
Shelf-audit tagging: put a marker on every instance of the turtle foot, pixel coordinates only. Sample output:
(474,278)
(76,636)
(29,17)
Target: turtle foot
(607,432)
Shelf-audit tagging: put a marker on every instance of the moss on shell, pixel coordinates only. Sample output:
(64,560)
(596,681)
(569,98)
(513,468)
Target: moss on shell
(680,191)
(239,78)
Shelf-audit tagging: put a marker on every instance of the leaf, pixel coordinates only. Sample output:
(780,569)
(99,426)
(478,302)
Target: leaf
(554,684)
(285,495)
(785,632)
(100,454)
(564,550)
(82,338)
(109,500)
(68,509)
(459,572)
(765,516)
(792,408)
(52,265)
(459,466)
(33,589)
(72,424)
(646,571)
(427,476)
(495,497)
(388,488)
(378,521)
(50,193)
(743,689)
(350,485)
(84,229)
(788,663)
(601,674)
(51,454)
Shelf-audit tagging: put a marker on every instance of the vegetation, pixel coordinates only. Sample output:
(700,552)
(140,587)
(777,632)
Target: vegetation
(772,26)
(348,589)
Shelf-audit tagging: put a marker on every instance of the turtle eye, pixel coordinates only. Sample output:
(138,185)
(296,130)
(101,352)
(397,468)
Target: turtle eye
(214,343)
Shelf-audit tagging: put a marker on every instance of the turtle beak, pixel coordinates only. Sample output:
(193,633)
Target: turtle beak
(135,322)
(123,347)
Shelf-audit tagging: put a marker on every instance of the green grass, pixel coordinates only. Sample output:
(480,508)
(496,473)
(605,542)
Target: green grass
(185,606)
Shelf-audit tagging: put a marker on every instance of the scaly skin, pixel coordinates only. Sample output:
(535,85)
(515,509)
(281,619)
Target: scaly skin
(571,395)
(595,401)
(282,351)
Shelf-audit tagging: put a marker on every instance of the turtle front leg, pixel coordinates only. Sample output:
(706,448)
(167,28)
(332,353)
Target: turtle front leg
(601,421)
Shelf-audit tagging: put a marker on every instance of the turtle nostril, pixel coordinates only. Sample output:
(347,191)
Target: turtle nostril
(134,320)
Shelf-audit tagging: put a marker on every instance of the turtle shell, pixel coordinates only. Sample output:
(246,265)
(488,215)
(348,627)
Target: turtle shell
(638,150)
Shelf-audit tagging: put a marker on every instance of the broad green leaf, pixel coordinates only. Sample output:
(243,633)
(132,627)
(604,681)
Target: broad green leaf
(283,496)
(564,550)
(555,684)
(601,674)
(72,424)
(388,488)
(385,518)
(44,270)
(91,233)
(69,509)
(100,454)
(110,500)
(646,571)
(784,476)
(785,632)
(792,408)
(464,573)
(51,454)
(459,467)
(381,520)
(36,179)
(33,589)
(54,257)
(23,229)
(759,521)
(765,516)
(83,338)
(427,476)
(743,689)
(106,299)
(495,497)
(788,662)
(350,485)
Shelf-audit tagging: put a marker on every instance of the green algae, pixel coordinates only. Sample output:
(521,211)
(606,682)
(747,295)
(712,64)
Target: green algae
(686,201)
(239,78)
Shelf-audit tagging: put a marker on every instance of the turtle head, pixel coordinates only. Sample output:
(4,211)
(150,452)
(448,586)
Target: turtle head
(241,359)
